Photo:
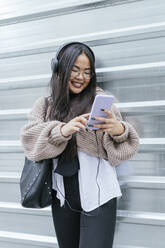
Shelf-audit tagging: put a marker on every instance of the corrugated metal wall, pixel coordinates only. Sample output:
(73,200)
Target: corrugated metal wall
(128,39)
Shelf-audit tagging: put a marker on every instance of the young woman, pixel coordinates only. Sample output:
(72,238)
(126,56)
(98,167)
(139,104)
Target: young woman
(85,186)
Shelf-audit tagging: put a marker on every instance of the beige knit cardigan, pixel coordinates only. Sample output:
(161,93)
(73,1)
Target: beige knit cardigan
(43,139)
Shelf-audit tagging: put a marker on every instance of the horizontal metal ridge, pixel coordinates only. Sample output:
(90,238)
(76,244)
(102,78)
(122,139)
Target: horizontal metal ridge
(12,143)
(146,145)
(14,207)
(146,31)
(157,64)
(56,9)
(139,111)
(141,217)
(142,108)
(152,145)
(128,246)
(147,182)
(152,141)
(122,215)
(10,177)
(141,104)
(14,111)
(33,81)
(143,141)
(129,108)
(145,179)
(116,72)
(28,238)
(13,146)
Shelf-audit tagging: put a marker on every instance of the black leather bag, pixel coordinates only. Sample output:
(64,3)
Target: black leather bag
(36,183)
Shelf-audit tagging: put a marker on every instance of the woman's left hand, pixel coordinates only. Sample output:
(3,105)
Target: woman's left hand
(111,125)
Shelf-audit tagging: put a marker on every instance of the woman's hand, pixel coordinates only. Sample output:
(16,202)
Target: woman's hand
(111,125)
(75,124)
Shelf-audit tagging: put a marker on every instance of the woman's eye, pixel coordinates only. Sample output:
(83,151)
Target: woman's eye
(74,70)
(87,73)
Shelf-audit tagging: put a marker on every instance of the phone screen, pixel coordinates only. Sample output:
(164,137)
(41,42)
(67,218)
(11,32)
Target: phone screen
(100,102)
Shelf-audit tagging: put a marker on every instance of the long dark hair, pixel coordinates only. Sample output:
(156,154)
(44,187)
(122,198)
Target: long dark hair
(65,105)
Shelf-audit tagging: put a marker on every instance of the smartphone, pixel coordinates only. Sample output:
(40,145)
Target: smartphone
(100,102)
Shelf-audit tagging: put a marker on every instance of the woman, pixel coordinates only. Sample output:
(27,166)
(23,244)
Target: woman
(85,187)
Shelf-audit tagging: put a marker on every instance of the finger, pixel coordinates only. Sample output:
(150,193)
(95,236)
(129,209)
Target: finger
(102,119)
(109,113)
(103,130)
(101,125)
(83,120)
(86,115)
(100,130)
(79,125)
(76,129)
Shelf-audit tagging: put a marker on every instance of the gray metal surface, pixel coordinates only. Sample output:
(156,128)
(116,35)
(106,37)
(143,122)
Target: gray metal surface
(128,42)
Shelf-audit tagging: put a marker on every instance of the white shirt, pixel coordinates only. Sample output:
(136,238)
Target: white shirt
(89,191)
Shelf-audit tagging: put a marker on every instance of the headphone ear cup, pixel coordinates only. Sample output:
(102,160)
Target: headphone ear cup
(54,64)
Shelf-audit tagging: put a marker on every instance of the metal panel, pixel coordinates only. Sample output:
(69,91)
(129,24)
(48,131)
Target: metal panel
(21,11)
(128,42)
(23,221)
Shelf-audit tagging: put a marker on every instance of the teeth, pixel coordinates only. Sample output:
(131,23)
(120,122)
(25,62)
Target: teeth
(77,84)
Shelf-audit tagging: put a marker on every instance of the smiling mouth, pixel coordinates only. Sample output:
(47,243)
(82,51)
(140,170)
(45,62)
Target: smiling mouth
(76,84)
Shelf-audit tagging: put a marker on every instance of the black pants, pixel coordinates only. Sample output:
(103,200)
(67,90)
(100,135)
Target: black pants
(76,230)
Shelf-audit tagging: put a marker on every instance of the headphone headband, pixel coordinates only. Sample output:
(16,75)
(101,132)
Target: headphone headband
(54,61)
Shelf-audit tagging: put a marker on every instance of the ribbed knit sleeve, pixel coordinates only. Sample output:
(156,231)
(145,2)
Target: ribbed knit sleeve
(121,147)
(119,138)
(42,139)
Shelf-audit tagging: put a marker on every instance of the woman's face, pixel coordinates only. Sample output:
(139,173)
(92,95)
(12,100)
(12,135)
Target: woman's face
(80,74)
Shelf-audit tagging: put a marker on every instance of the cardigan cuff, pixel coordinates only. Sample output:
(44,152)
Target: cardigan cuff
(56,135)
(123,137)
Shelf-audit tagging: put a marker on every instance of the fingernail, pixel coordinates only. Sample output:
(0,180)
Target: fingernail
(102,109)
(93,118)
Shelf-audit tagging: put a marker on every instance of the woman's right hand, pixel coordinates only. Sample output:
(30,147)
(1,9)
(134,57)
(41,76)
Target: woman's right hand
(75,124)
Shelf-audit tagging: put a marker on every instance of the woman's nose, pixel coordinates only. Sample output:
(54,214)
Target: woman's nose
(80,75)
